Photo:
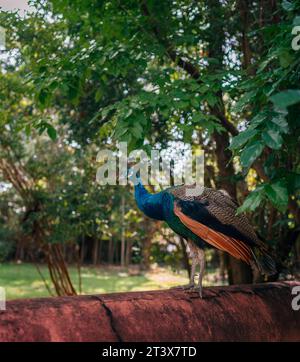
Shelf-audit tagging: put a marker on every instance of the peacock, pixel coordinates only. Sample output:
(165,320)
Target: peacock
(208,219)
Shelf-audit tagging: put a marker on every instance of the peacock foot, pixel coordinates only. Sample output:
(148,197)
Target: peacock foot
(196,290)
(184,287)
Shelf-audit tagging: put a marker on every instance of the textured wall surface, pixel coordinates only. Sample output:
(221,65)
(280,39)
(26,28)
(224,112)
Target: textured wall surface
(259,312)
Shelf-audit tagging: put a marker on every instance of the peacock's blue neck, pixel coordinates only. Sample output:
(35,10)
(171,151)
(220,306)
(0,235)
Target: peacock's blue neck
(149,204)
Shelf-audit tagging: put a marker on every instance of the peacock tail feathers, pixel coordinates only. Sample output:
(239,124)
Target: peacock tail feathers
(264,261)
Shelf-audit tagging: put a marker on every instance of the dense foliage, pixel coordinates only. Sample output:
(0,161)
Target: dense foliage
(81,75)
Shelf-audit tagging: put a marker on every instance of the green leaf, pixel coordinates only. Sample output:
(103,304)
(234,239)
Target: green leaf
(197,118)
(239,140)
(126,137)
(51,132)
(285,58)
(297,182)
(187,133)
(252,201)
(211,99)
(277,193)
(128,112)
(53,85)
(251,153)
(293,181)
(287,5)
(203,88)
(98,95)
(266,62)
(272,139)
(43,96)
(258,120)
(28,130)
(281,124)
(105,111)
(195,102)
(120,130)
(286,98)
(296,21)
(137,131)
(245,100)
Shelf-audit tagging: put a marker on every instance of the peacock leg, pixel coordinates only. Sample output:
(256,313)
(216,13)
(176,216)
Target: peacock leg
(193,251)
(201,261)
(193,256)
(191,284)
(193,270)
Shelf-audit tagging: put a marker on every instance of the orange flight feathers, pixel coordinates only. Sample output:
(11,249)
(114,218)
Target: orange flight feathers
(234,247)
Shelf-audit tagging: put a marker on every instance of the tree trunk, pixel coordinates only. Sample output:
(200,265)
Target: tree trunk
(146,253)
(123,232)
(95,251)
(82,251)
(128,253)
(58,271)
(239,272)
(100,251)
(150,228)
(222,258)
(117,251)
(24,185)
(110,251)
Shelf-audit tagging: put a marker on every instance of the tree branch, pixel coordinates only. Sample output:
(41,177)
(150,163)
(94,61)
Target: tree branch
(184,64)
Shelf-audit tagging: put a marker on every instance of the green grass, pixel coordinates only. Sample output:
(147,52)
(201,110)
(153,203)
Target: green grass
(23,280)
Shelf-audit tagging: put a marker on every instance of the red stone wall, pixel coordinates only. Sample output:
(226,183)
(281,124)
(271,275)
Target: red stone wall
(259,312)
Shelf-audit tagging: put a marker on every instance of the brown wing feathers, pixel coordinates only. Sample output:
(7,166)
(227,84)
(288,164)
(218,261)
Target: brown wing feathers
(234,247)
(220,206)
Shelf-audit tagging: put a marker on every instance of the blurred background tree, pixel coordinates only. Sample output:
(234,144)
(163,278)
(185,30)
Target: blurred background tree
(80,76)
